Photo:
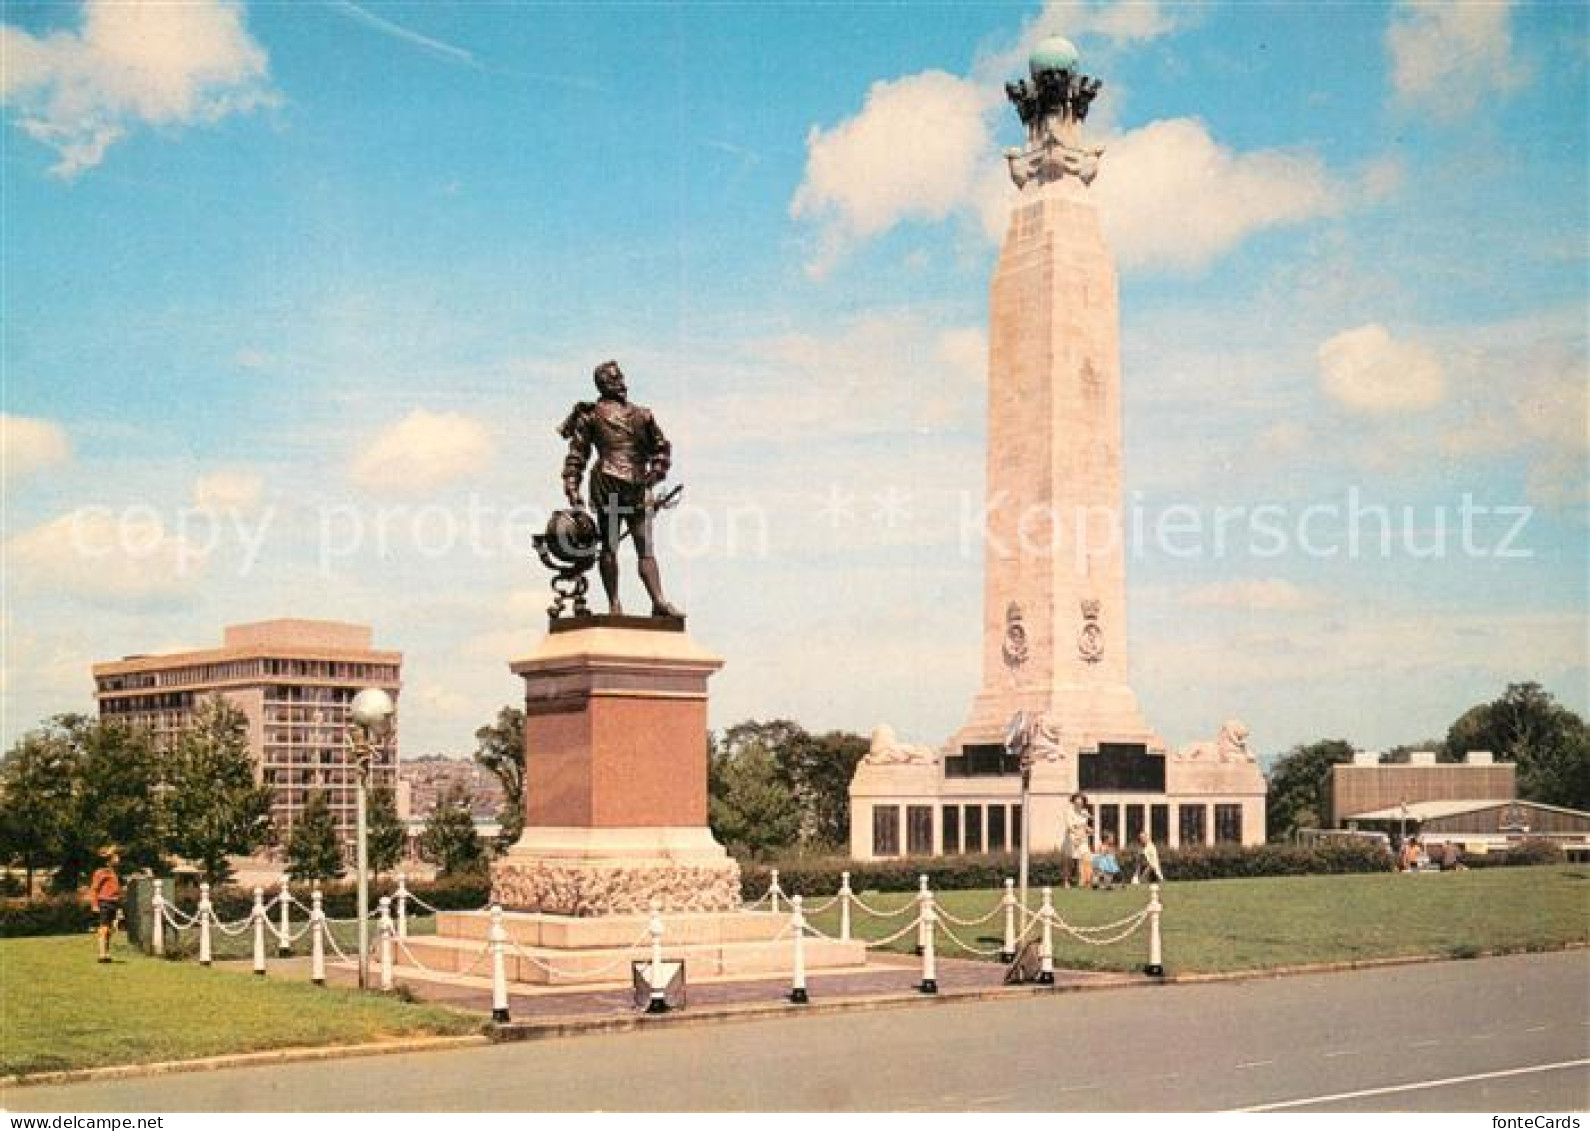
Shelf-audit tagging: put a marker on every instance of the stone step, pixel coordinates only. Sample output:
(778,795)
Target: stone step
(565,932)
(591,965)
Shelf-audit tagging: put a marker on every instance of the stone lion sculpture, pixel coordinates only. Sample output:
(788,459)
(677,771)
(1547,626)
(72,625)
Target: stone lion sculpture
(1230,746)
(888,750)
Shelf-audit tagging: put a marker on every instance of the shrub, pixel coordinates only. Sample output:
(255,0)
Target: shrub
(1536,850)
(818,877)
(54,915)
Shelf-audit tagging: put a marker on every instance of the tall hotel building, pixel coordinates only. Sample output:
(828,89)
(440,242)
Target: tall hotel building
(294,679)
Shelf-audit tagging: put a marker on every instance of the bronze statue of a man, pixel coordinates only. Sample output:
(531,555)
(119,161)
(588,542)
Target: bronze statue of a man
(632,456)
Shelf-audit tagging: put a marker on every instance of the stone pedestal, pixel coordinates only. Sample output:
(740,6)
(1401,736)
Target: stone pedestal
(616,775)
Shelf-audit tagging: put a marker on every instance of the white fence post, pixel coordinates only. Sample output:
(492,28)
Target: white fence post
(1156,960)
(1008,952)
(658,1002)
(844,906)
(258,915)
(157,926)
(924,899)
(317,939)
(1046,947)
(773,891)
(204,925)
(403,906)
(797,993)
(499,969)
(930,970)
(284,939)
(386,943)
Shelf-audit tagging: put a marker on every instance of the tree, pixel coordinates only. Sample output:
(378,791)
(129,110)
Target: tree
(1548,742)
(819,768)
(449,840)
(314,850)
(750,806)
(499,747)
(814,769)
(115,777)
(1297,781)
(213,806)
(385,835)
(35,799)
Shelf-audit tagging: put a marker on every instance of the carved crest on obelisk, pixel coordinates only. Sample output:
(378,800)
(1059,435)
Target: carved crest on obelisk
(1090,641)
(1015,646)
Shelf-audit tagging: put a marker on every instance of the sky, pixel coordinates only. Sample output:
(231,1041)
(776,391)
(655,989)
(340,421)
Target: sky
(295,295)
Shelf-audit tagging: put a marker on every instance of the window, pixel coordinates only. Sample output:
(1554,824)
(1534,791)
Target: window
(1159,824)
(951,816)
(1134,823)
(886,830)
(1122,767)
(1015,826)
(1109,822)
(919,830)
(1228,824)
(980,760)
(974,828)
(1191,820)
(996,828)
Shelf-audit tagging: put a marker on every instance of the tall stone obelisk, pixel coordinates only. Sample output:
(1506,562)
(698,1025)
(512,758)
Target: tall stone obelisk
(1054,602)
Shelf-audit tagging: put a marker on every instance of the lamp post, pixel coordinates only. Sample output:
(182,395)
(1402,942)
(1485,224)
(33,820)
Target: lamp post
(1018,743)
(369,727)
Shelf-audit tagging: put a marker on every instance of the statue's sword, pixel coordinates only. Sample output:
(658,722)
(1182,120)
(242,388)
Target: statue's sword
(666,501)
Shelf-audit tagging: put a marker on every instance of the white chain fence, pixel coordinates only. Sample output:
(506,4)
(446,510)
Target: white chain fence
(930,921)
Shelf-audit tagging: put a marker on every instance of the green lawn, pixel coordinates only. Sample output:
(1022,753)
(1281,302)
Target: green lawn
(1223,925)
(60,1009)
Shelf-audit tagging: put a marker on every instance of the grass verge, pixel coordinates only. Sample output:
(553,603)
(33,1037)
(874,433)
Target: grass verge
(1253,924)
(59,1009)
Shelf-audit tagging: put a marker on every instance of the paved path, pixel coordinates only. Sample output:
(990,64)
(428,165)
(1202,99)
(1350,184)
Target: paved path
(1503,1034)
(886,974)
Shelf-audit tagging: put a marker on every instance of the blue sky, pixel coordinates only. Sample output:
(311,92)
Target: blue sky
(284,274)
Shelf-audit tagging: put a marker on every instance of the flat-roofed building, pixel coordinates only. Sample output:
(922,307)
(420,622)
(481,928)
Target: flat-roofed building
(294,680)
(1366,785)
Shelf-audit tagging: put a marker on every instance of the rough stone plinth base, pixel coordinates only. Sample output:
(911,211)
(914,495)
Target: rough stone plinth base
(586,872)
(586,888)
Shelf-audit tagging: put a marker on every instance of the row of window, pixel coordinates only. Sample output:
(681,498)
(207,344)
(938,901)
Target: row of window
(997,827)
(231,671)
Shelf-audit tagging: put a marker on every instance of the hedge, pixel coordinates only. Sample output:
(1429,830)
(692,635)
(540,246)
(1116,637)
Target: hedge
(48,915)
(1533,851)
(818,877)
(339,900)
(69,914)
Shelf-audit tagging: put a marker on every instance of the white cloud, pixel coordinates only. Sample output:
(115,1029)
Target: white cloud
(440,700)
(29,444)
(912,152)
(95,553)
(1367,370)
(1446,55)
(79,92)
(1111,25)
(228,491)
(1271,594)
(423,450)
(1173,197)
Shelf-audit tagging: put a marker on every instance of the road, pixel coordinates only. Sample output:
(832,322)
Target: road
(1501,1034)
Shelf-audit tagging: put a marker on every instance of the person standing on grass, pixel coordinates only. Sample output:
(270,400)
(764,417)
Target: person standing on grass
(104,898)
(1077,837)
(1147,861)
